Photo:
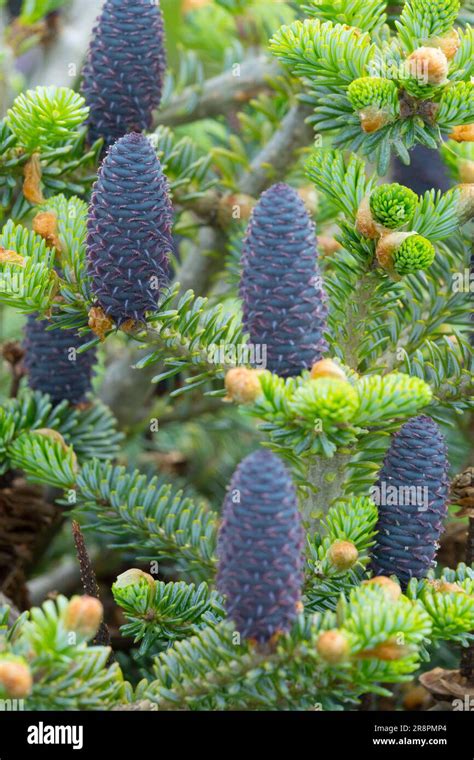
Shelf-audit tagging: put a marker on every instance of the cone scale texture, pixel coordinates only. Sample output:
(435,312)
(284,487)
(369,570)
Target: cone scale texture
(412,492)
(123,74)
(129,230)
(260,548)
(284,304)
(52,363)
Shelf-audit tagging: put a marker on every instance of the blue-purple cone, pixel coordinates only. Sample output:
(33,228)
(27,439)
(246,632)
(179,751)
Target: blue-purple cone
(411,495)
(52,363)
(123,74)
(260,548)
(129,230)
(284,303)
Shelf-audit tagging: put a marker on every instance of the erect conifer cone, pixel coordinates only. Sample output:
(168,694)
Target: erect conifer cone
(52,363)
(123,74)
(411,494)
(260,548)
(284,304)
(129,230)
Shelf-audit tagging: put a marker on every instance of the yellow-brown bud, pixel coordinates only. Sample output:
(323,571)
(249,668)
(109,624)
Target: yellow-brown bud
(191,5)
(463,133)
(466,171)
(327,368)
(132,577)
(15,678)
(309,197)
(390,588)
(32,174)
(234,207)
(449,588)
(428,65)
(333,646)
(53,435)
(83,615)
(388,651)
(343,554)
(365,222)
(449,43)
(56,437)
(243,385)
(373,118)
(328,245)
(45,224)
(416,698)
(387,246)
(11,257)
(466,202)
(99,322)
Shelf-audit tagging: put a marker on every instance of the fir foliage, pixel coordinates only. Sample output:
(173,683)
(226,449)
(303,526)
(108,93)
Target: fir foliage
(315,584)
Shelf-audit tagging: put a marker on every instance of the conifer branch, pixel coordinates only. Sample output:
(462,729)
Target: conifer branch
(216,95)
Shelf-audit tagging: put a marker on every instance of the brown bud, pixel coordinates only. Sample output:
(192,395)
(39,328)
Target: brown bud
(234,207)
(450,588)
(99,322)
(449,43)
(466,202)
(462,492)
(333,646)
(83,615)
(428,65)
(463,133)
(327,368)
(32,180)
(46,224)
(15,678)
(56,437)
(388,651)
(11,257)
(309,197)
(416,698)
(390,588)
(191,5)
(128,326)
(373,118)
(242,385)
(343,554)
(132,577)
(53,435)
(387,246)
(466,171)
(365,222)
(328,245)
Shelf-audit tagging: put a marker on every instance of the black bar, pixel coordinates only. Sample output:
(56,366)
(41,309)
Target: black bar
(330,734)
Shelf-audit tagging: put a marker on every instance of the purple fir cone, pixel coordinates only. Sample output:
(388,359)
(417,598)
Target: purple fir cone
(124,70)
(411,495)
(52,363)
(129,230)
(284,303)
(260,548)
